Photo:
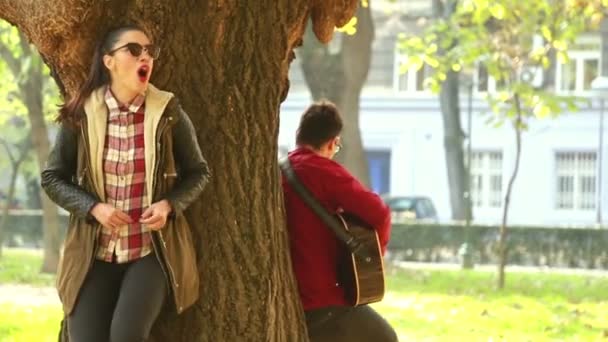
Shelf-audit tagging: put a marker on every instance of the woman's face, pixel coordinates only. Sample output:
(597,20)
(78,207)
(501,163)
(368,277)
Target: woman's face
(127,70)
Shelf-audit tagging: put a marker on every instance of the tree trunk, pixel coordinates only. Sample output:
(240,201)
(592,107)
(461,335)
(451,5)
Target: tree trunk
(16,162)
(453,141)
(452,131)
(227,62)
(9,199)
(339,77)
(32,182)
(32,93)
(502,241)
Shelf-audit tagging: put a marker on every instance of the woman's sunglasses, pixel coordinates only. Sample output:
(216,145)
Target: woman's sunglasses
(136,49)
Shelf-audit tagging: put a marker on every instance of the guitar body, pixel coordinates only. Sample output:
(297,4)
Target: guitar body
(362,277)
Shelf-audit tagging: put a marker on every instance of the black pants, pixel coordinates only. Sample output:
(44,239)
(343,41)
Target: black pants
(118,302)
(352,324)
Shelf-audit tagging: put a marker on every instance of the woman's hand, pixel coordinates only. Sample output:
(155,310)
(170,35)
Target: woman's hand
(109,216)
(155,217)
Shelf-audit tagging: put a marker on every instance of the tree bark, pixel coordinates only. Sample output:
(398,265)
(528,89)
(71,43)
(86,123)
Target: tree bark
(453,142)
(502,240)
(227,61)
(32,94)
(452,130)
(339,77)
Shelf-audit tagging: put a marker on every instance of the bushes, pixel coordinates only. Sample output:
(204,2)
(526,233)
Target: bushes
(539,246)
(24,228)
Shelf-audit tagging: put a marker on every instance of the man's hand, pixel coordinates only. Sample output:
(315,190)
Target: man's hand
(155,217)
(109,216)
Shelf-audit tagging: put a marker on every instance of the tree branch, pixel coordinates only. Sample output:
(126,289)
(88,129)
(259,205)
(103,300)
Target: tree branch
(44,22)
(14,11)
(329,14)
(25,45)
(7,147)
(13,63)
(7,8)
(359,47)
(24,148)
(437,8)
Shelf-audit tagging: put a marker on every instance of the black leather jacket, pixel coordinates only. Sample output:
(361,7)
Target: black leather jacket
(62,184)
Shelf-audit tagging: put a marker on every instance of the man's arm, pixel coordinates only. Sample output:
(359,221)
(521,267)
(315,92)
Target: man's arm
(347,193)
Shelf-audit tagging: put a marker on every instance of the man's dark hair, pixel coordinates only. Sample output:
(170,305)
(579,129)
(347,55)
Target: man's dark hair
(320,123)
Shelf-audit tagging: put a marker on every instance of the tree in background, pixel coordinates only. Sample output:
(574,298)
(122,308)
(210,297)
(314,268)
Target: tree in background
(339,75)
(16,144)
(453,136)
(514,42)
(32,84)
(228,63)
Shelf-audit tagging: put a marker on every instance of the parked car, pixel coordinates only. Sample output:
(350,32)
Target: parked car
(411,208)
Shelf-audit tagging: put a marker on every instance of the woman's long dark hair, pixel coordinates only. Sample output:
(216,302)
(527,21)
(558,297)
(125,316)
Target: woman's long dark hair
(72,111)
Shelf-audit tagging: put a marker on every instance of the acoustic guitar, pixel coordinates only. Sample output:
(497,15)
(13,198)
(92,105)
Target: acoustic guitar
(361,275)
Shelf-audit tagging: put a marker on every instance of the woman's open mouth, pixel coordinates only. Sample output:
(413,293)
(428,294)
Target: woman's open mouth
(143,72)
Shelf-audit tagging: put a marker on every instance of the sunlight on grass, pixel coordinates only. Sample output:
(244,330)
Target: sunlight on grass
(437,305)
(29,323)
(464,306)
(22,266)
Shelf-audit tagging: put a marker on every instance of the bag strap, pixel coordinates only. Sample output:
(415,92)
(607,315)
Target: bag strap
(354,245)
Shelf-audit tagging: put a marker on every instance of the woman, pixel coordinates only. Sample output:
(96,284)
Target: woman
(126,163)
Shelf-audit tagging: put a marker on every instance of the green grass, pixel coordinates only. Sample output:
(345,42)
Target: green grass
(29,323)
(25,323)
(434,305)
(464,306)
(22,266)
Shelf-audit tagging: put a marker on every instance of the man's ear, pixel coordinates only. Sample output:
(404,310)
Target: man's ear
(335,141)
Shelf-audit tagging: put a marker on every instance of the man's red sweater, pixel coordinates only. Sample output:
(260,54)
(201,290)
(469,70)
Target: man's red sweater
(314,247)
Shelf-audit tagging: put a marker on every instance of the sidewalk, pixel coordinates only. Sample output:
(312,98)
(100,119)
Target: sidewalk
(493,268)
(28,295)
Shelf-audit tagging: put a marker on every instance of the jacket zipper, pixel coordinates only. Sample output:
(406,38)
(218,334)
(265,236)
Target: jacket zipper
(171,278)
(167,261)
(156,249)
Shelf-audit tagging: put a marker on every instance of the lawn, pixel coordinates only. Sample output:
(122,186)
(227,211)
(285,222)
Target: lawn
(464,306)
(22,266)
(31,323)
(436,305)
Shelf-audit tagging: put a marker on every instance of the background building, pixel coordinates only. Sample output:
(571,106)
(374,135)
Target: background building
(402,132)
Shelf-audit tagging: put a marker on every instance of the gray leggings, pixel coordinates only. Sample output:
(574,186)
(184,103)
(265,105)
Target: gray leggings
(118,302)
(345,323)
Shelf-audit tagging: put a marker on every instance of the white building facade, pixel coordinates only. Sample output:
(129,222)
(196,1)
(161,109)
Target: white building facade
(559,181)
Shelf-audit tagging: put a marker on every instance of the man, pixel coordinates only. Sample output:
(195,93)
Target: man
(314,247)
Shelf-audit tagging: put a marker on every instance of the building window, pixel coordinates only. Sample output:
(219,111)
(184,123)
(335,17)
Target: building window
(484,83)
(486,179)
(575,180)
(410,80)
(583,67)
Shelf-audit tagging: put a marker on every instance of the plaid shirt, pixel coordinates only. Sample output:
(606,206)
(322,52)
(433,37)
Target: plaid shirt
(125,185)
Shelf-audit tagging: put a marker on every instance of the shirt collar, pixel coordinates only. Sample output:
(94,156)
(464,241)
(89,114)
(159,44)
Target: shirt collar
(115,109)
